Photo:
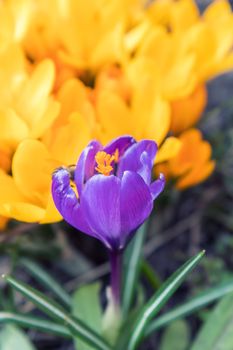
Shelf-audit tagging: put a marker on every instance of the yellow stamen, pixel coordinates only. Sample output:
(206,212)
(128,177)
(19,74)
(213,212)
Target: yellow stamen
(116,156)
(104,161)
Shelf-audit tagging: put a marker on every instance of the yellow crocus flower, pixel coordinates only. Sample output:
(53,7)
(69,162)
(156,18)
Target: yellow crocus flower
(84,34)
(25,195)
(193,163)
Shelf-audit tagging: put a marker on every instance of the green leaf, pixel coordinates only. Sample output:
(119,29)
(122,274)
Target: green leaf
(12,338)
(86,306)
(76,327)
(159,299)
(39,324)
(196,303)
(131,267)
(46,280)
(175,336)
(217,332)
(150,274)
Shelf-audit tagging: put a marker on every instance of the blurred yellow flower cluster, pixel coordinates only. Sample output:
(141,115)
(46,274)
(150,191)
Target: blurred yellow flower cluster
(73,70)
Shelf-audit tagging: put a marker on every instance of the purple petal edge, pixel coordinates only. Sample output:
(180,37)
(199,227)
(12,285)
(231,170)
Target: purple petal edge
(157,186)
(86,165)
(67,202)
(140,159)
(121,144)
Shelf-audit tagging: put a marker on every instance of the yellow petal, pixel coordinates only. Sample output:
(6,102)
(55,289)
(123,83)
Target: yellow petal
(192,163)
(151,116)
(32,97)
(6,28)
(51,213)
(14,203)
(168,149)
(193,151)
(12,128)
(188,110)
(112,78)
(196,176)
(22,211)
(8,189)
(70,139)
(181,79)
(217,9)
(20,11)
(135,35)
(184,14)
(85,46)
(12,72)
(110,48)
(113,116)
(46,120)
(32,168)
(74,97)
(177,15)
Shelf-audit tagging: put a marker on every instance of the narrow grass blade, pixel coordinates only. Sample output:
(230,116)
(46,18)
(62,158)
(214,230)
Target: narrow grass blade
(131,267)
(49,282)
(190,306)
(150,274)
(76,327)
(38,324)
(159,299)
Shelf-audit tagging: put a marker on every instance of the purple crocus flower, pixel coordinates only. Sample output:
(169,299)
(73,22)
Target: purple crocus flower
(109,193)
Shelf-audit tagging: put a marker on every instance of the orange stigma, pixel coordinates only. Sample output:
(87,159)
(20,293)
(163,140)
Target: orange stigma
(104,162)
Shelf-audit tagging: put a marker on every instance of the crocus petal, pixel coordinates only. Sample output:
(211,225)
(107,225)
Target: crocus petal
(157,186)
(121,144)
(33,178)
(101,203)
(86,165)
(32,101)
(8,189)
(121,121)
(51,213)
(46,120)
(196,175)
(140,159)
(136,203)
(66,134)
(13,128)
(169,149)
(67,202)
(22,211)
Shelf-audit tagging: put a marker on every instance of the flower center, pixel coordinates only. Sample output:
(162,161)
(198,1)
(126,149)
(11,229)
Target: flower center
(104,162)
